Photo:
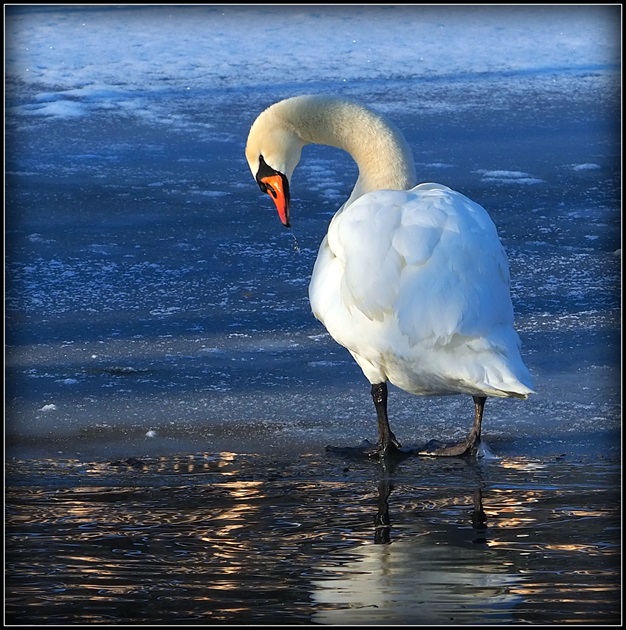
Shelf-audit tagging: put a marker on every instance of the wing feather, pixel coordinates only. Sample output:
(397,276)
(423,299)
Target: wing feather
(429,257)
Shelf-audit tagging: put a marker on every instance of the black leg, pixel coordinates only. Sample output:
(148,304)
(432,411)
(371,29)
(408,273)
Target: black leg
(387,441)
(387,446)
(470,445)
(479,407)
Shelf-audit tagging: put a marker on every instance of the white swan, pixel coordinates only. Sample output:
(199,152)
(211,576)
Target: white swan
(411,279)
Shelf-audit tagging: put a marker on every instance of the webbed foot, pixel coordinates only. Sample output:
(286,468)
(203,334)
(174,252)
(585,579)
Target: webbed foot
(391,451)
(434,448)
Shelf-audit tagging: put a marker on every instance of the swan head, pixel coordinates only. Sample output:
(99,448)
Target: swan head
(273,151)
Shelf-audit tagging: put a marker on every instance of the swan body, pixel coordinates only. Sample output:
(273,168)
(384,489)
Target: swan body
(411,278)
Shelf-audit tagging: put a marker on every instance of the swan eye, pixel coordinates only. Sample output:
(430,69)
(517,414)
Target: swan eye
(266,171)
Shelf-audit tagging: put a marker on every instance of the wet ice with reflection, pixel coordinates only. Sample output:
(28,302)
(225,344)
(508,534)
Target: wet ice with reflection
(264,539)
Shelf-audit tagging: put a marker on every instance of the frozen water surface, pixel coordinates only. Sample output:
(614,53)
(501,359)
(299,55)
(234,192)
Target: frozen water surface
(157,311)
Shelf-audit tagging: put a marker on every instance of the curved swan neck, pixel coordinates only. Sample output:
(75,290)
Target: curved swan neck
(382,154)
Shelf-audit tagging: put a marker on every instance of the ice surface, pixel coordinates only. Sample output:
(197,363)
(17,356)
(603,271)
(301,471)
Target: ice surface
(154,304)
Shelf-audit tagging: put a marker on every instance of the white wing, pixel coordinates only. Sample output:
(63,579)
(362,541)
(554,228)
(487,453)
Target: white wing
(430,256)
(429,264)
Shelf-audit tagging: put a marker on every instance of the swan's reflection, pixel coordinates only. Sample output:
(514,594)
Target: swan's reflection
(435,578)
(382,520)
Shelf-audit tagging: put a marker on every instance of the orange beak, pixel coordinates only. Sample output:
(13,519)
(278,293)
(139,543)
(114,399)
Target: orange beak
(277,187)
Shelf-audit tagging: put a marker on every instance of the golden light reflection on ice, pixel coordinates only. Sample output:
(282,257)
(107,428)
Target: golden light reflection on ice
(226,540)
